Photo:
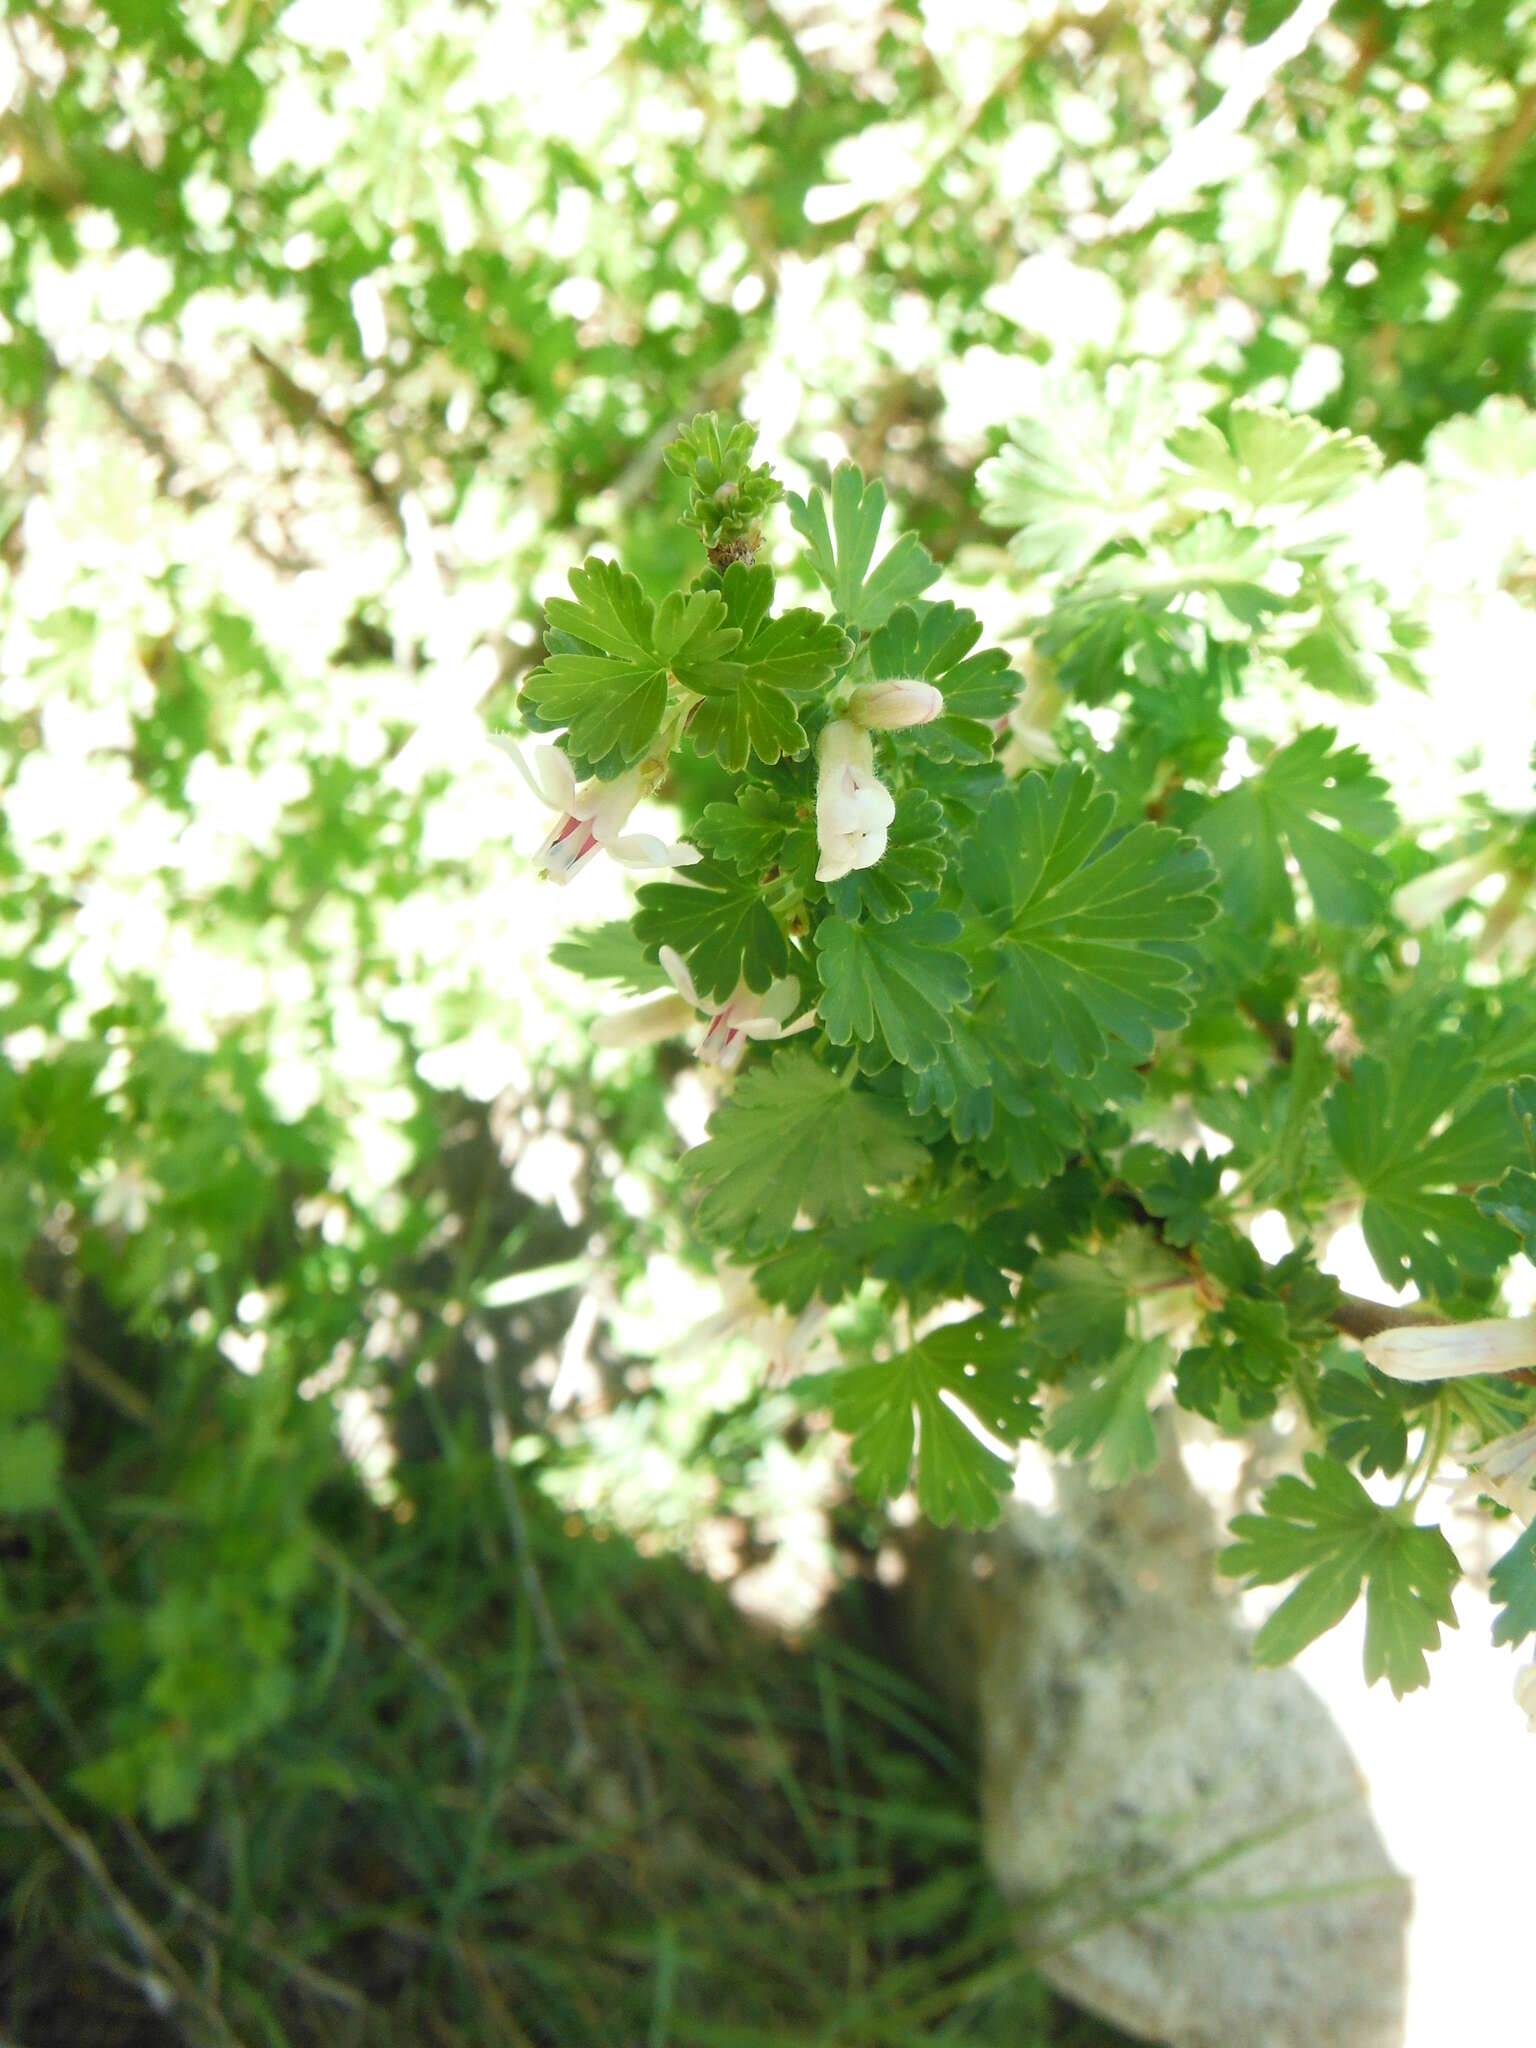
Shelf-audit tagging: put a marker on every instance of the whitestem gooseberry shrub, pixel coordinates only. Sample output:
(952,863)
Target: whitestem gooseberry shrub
(1031,975)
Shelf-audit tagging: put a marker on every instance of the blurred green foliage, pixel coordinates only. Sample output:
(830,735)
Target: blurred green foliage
(334,338)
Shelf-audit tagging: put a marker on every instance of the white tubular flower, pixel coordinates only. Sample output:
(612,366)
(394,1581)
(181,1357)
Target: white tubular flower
(592,818)
(747,1015)
(643,1023)
(894,705)
(1505,1470)
(1450,1351)
(1427,897)
(1026,731)
(1525,1694)
(789,1345)
(854,809)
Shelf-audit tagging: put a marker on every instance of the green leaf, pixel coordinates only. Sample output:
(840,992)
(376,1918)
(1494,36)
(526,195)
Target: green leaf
(933,643)
(1091,468)
(720,924)
(791,1139)
(32,1337)
(912,864)
(1512,1201)
(605,679)
(759,831)
(1407,1602)
(798,651)
(1238,1376)
(1014,1120)
(1270,458)
(893,984)
(1384,1131)
(1180,1192)
(31,1458)
(1096,929)
(1106,1417)
(923,1260)
(841,556)
(1513,1585)
(1324,804)
(743,718)
(748,703)
(609,952)
(1327,1528)
(893,1407)
(1367,1418)
(1082,1306)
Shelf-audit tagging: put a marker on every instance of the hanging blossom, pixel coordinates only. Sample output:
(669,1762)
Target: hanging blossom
(745,1016)
(854,808)
(1450,1351)
(1430,895)
(789,1344)
(592,818)
(1504,1469)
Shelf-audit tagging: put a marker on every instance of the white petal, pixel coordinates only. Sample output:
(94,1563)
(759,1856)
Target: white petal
(870,849)
(548,775)
(559,778)
(879,805)
(509,750)
(841,811)
(806,1023)
(1447,1351)
(675,968)
(643,850)
(780,1000)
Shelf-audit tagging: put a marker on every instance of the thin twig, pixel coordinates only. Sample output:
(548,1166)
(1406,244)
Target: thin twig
(96,1373)
(303,405)
(1491,179)
(582,1747)
(258,1937)
(1357,1317)
(394,1624)
(83,1851)
(1351,1313)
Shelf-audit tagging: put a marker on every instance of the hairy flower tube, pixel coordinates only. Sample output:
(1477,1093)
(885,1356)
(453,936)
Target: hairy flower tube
(1430,895)
(1505,1470)
(894,705)
(1448,1351)
(732,1024)
(854,809)
(592,818)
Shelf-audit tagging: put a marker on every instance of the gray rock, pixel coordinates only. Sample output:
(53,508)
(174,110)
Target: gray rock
(1188,1837)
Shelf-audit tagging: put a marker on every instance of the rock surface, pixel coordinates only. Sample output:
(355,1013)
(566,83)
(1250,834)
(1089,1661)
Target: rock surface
(1187,1836)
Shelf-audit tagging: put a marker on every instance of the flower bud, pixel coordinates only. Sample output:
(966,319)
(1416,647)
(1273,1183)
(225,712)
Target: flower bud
(1448,1351)
(894,705)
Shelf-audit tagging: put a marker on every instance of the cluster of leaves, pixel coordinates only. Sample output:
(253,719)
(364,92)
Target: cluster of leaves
(1053,964)
(328,332)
